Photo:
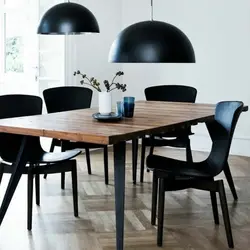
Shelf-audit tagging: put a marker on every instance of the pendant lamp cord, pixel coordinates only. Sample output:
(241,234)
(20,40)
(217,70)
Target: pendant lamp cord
(152,10)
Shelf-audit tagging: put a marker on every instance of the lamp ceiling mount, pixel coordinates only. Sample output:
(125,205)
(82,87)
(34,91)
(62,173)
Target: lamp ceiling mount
(152,10)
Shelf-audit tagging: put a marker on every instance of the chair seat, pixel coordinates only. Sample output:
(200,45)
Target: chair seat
(73,145)
(178,142)
(179,132)
(55,157)
(176,138)
(177,168)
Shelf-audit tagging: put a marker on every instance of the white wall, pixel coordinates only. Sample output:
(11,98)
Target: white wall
(89,53)
(220,34)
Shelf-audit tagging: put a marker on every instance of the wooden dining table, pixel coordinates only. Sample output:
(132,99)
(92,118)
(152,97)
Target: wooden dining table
(149,118)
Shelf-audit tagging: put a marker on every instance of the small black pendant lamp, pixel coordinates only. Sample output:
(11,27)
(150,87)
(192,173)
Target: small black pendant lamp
(152,42)
(68,18)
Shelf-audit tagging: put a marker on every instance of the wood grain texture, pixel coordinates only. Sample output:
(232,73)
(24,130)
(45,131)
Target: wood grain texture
(188,223)
(78,125)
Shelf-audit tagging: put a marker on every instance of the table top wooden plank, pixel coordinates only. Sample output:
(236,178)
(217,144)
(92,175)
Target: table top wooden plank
(78,125)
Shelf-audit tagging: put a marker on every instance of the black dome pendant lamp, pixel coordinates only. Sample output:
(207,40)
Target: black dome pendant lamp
(152,42)
(68,18)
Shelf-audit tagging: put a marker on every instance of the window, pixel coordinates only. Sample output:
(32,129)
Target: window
(14,44)
(28,63)
(18,44)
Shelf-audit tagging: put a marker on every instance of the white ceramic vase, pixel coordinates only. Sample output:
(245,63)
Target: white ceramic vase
(105,103)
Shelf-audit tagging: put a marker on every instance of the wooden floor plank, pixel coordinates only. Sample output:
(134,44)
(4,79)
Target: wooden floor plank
(188,214)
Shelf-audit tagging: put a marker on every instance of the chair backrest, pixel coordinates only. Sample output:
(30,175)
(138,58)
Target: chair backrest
(171,93)
(221,131)
(67,98)
(16,106)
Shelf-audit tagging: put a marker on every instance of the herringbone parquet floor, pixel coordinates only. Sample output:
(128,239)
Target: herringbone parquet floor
(188,215)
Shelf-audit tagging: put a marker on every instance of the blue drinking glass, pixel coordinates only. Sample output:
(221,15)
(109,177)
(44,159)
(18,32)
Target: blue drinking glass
(128,106)
(119,108)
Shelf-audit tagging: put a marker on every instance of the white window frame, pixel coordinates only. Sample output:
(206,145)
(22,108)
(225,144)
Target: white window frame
(2,41)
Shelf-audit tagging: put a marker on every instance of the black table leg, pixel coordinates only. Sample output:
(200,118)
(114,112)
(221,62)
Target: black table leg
(119,172)
(134,158)
(18,168)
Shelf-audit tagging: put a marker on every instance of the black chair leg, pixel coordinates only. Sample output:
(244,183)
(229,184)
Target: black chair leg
(74,189)
(63,149)
(230,181)
(154,199)
(52,147)
(215,207)
(106,167)
(30,198)
(134,158)
(189,156)
(63,180)
(1,173)
(160,212)
(143,149)
(151,151)
(37,184)
(224,207)
(88,160)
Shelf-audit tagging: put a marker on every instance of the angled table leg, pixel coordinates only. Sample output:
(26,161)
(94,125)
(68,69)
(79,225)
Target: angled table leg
(18,168)
(119,172)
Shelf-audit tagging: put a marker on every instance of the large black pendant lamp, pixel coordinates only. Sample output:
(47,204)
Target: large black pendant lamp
(68,18)
(152,42)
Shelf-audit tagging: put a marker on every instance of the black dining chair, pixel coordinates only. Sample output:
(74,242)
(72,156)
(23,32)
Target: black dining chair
(172,174)
(38,161)
(179,137)
(68,98)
